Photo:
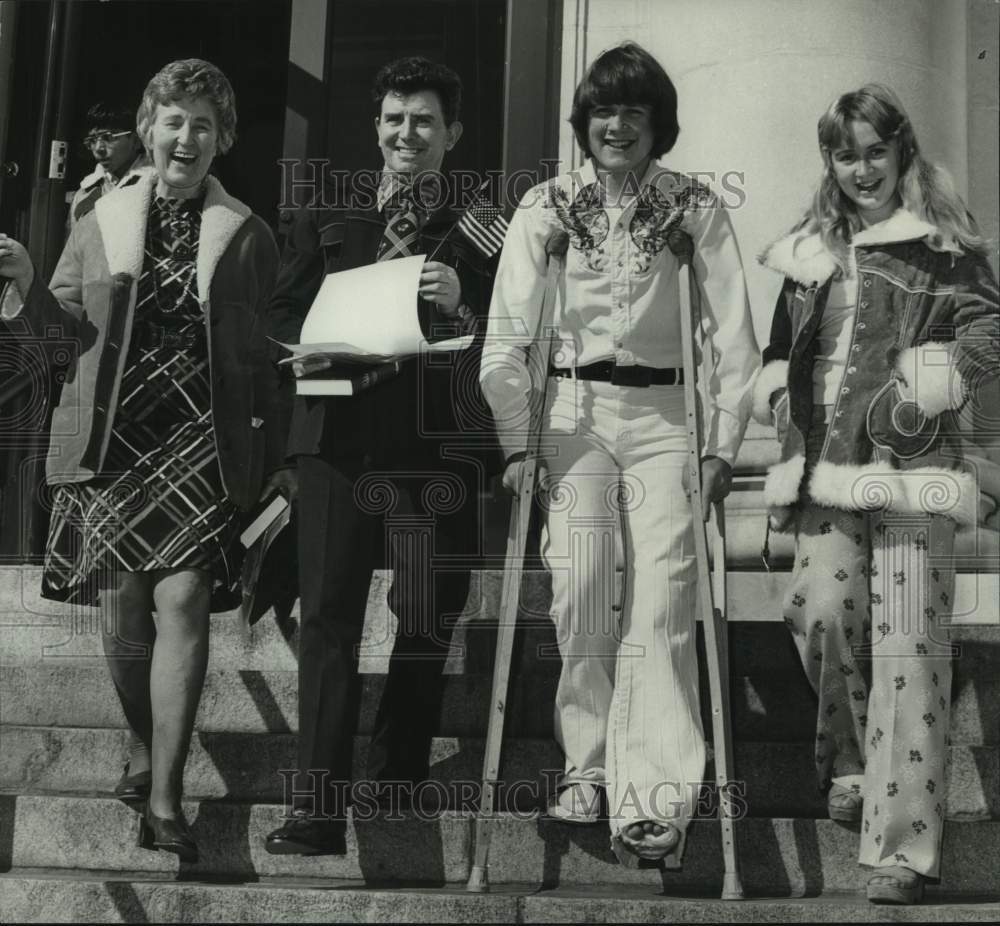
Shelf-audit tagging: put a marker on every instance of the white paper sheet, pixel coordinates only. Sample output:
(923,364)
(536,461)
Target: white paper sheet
(369,315)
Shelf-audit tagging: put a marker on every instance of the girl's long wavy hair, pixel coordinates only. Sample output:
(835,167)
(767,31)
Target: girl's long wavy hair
(924,188)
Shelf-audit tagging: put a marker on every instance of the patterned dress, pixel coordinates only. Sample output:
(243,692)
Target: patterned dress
(159,502)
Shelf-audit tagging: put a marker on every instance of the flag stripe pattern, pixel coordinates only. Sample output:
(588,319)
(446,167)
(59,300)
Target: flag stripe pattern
(484,225)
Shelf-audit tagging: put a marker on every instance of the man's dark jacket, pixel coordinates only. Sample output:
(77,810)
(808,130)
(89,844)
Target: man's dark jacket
(436,399)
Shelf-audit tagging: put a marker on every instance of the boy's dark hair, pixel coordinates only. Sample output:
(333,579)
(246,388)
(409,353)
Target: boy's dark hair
(411,75)
(627,74)
(105,115)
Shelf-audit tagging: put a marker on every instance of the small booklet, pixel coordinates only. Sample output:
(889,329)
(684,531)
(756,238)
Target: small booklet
(266,513)
(349,381)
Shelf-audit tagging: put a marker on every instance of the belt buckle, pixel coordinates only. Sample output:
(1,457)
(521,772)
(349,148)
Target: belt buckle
(632,375)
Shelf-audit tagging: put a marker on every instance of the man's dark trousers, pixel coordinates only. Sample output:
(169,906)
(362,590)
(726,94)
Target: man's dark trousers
(413,520)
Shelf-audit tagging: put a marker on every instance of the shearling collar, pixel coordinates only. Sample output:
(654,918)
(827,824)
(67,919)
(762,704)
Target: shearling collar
(806,259)
(122,214)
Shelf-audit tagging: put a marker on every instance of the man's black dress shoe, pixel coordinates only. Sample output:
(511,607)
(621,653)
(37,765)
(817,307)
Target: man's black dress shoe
(305,835)
(133,790)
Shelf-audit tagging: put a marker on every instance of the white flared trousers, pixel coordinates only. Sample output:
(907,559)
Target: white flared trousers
(626,711)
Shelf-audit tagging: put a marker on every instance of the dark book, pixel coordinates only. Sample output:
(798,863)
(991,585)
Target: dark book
(346,380)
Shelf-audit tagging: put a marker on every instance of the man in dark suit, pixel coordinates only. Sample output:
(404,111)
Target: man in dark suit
(394,470)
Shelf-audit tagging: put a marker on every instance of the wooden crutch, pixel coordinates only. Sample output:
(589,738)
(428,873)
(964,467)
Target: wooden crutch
(517,534)
(711,582)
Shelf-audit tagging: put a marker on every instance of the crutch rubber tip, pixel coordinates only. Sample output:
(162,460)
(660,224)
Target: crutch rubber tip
(479,881)
(731,887)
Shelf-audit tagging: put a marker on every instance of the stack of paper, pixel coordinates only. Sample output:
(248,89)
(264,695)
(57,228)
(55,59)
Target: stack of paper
(365,317)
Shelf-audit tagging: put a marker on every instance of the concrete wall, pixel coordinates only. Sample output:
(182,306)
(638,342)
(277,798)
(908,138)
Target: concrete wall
(753,77)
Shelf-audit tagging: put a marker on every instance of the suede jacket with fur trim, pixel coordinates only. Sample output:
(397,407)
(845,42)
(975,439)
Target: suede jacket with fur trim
(90,305)
(925,346)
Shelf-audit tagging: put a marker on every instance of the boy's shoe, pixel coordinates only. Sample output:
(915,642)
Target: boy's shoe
(579,802)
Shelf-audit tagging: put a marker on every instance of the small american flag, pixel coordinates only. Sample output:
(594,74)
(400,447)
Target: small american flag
(484,225)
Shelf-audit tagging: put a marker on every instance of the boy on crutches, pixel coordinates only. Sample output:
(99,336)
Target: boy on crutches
(614,444)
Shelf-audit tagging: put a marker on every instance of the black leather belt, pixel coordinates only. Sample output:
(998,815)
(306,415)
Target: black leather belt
(152,336)
(607,371)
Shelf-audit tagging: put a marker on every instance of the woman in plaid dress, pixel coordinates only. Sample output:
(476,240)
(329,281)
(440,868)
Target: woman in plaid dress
(882,361)
(166,425)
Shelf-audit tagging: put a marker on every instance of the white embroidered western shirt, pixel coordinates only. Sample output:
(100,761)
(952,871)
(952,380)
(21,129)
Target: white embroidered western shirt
(618,299)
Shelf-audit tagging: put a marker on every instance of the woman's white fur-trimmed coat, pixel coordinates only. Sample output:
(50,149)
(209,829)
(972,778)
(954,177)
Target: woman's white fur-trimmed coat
(926,338)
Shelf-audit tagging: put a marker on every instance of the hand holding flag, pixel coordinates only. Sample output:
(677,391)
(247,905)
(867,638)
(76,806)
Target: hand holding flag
(483,223)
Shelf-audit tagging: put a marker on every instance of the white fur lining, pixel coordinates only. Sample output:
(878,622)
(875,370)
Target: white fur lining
(771,377)
(929,489)
(930,377)
(121,217)
(781,487)
(902,225)
(221,218)
(806,260)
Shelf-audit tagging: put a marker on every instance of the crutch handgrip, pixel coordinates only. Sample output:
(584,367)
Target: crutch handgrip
(557,244)
(681,244)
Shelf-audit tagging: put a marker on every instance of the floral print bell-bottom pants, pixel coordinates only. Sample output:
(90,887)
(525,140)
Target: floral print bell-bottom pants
(868,608)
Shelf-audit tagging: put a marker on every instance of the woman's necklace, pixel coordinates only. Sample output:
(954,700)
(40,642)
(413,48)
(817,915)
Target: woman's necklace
(180,226)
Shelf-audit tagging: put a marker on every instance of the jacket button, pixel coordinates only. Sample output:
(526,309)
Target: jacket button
(864,304)
(867,283)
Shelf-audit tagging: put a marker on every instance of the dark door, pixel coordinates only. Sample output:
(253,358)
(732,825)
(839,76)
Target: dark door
(466,35)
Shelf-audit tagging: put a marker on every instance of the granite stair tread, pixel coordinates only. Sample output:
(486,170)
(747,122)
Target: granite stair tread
(777,778)
(781,856)
(40,895)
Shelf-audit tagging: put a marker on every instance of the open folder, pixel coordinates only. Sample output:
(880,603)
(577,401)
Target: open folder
(364,321)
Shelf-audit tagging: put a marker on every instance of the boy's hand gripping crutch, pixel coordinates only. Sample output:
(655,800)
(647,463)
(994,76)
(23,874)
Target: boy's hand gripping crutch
(711,583)
(520,515)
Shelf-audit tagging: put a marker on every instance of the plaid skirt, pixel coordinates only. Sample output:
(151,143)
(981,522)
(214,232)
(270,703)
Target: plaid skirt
(159,502)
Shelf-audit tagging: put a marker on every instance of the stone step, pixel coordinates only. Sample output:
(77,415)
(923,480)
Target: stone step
(778,778)
(32,629)
(45,896)
(780,856)
(758,637)
(775,703)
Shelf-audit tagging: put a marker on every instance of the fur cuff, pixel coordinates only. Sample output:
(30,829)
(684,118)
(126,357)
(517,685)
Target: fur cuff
(930,377)
(781,487)
(772,377)
(926,489)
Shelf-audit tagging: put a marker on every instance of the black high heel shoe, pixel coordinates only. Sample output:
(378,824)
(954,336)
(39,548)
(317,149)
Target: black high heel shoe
(133,790)
(167,835)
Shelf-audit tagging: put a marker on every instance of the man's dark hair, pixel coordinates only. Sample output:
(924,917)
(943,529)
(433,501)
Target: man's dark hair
(627,74)
(104,115)
(411,75)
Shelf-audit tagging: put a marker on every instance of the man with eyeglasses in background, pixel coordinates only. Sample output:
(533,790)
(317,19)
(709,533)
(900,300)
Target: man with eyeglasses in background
(116,148)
